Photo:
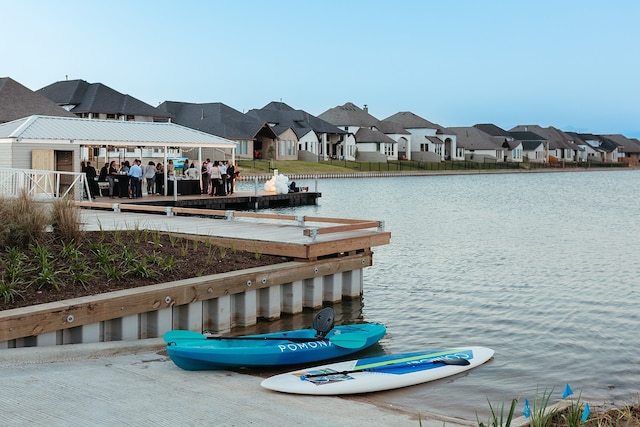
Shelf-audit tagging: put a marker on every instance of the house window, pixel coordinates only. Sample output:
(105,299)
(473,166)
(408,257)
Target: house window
(130,117)
(111,116)
(241,147)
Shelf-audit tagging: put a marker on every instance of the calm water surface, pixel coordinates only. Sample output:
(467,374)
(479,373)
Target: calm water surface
(542,267)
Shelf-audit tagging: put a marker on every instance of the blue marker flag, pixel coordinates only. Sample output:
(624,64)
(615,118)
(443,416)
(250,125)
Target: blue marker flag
(567,392)
(526,411)
(586,412)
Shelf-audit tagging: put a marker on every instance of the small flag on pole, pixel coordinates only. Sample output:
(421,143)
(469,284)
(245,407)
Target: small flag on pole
(526,411)
(567,392)
(586,412)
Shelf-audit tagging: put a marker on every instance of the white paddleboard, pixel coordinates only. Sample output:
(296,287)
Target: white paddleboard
(379,373)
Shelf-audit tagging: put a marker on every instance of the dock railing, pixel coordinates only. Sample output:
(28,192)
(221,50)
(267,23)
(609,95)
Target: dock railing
(42,184)
(312,231)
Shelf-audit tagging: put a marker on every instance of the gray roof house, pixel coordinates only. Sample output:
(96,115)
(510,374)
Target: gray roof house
(314,137)
(427,141)
(599,148)
(513,148)
(478,146)
(535,147)
(252,136)
(97,101)
(631,147)
(352,118)
(561,145)
(18,101)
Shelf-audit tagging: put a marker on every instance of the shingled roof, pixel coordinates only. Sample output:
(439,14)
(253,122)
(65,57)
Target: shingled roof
(281,117)
(84,97)
(472,138)
(18,101)
(349,115)
(409,120)
(370,135)
(555,137)
(217,119)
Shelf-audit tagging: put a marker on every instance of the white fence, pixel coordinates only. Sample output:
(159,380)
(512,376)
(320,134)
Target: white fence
(41,184)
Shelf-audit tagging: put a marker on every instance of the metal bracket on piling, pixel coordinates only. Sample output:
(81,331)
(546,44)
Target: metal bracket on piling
(300,220)
(169,210)
(116,207)
(381,226)
(312,233)
(229,215)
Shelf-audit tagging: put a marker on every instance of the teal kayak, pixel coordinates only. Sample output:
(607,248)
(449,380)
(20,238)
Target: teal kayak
(194,351)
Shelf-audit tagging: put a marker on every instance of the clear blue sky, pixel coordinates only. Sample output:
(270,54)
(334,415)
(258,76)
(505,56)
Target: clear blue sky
(573,64)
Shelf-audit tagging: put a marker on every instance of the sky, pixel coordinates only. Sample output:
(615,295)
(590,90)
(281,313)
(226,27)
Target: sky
(572,64)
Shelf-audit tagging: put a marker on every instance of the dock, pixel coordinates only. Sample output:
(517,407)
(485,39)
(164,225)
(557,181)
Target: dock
(327,259)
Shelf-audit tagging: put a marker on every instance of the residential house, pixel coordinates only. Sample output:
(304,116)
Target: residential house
(598,148)
(427,137)
(478,146)
(314,138)
(513,149)
(374,148)
(98,101)
(254,138)
(561,145)
(630,147)
(18,101)
(535,148)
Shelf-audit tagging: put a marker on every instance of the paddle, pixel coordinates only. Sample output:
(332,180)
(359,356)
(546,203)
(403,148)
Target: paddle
(382,366)
(352,340)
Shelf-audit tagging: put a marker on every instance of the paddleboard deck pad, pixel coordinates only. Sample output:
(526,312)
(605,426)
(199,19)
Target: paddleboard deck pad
(379,373)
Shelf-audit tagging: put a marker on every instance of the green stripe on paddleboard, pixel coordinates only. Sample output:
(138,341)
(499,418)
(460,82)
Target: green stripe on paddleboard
(406,359)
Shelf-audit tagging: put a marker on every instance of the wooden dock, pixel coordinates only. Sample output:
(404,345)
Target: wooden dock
(243,200)
(328,256)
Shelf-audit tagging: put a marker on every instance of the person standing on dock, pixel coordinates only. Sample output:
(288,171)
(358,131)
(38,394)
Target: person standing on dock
(216,177)
(223,172)
(206,179)
(135,172)
(150,176)
(231,178)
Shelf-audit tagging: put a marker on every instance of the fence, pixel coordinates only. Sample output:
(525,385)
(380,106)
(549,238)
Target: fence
(41,184)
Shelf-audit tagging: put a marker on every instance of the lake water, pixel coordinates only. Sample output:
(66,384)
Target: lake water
(541,267)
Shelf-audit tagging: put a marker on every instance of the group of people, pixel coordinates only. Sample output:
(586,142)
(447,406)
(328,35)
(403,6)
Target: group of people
(218,177)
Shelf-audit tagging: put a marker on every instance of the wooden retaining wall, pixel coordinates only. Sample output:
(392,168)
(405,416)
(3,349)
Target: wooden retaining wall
(217,302)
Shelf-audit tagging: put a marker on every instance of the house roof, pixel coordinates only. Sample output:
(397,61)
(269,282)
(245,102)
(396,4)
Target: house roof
(108,132)
(281,117)
(493,130)
(349,115)
(555,137)
(526,136)
(472,138)
(409,120)
(84,97)
(371,135)
(18,101)
(631,146)
(217,119)
(390,127)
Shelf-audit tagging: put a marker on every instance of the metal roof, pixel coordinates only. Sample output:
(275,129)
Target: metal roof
(109,132)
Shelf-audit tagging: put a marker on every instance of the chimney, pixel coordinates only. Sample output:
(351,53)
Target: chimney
(366,108)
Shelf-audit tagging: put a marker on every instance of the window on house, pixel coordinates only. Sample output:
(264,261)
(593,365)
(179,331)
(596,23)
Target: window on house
(111,116)
(241,147)
(130,117)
